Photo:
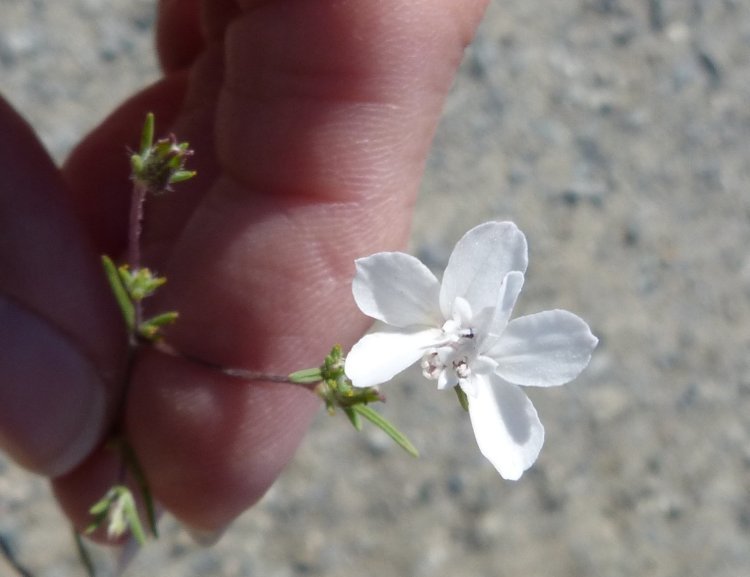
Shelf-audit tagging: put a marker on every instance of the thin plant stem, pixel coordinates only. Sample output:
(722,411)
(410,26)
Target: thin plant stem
(247,375)
(137,200)
(240,374)
(136,219)
(83,555)
(134,242)
(135,227)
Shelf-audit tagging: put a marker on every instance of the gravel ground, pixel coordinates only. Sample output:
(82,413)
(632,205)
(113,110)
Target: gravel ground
(615,133)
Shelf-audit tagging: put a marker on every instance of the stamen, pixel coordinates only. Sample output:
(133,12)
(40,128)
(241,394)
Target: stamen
(432,366)
(462,369)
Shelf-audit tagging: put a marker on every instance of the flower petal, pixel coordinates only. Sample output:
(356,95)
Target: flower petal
(378,357)
(492,322)
(506,426)
(398,289)
(544,349)
(479,263)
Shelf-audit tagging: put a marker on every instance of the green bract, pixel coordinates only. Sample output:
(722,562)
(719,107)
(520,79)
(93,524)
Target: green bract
(337,391)
(158,165)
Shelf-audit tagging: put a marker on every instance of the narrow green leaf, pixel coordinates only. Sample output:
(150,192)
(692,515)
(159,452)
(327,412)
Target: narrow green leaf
(379,421)
(136,163)
(353,418)
(99,513)
(149,329)
(181,176)
(306,376)
(149,332)
(120,292)
(101,506)
(147,136)
(163,319)
(148,499)
(83,555)
(134,522)
(93,526)
(140,478)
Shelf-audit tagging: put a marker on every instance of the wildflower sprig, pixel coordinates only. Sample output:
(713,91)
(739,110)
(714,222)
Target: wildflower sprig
(336,389)
(458,328)
(154,169)
(132,287)
(118,509)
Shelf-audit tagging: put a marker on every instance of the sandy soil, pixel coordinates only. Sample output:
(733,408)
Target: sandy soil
(615,133)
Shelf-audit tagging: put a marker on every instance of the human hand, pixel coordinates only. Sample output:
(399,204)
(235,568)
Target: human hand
(311,122)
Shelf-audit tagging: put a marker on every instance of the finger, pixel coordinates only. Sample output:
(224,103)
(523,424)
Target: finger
(60,334)
(325,115)
(368,96)
(183,29)
(179,34)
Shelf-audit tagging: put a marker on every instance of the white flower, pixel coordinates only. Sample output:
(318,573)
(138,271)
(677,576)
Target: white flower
(462,332)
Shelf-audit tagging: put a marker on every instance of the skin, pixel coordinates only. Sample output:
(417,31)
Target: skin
(311,122)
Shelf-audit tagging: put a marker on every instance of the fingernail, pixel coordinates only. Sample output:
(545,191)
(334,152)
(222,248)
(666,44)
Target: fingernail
(204,537)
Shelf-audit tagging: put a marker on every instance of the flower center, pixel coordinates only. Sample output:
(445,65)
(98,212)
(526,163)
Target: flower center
(449,362)
(439,364)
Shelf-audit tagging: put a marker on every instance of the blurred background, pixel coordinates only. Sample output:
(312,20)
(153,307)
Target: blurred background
(616,134)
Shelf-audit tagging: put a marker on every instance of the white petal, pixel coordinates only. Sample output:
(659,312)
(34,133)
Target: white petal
(493,321)
(398,289)
(378,357)
(506,426)
(483,365)
(461,312)
(479,263)
(445,378)
(544,349)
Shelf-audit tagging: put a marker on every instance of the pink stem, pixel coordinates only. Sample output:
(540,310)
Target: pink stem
(134,238)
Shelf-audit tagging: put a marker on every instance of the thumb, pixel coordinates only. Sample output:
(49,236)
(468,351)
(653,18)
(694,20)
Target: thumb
(60,345)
